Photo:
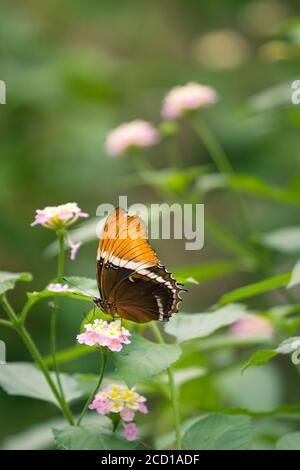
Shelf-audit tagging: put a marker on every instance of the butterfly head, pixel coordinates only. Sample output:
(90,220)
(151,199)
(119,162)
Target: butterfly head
(105,306)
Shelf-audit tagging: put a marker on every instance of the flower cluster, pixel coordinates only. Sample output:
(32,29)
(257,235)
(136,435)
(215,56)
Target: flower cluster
(57,287)
(252,326)
(111,335)
(133,134)
(58,217)
(186,98)
(123,400)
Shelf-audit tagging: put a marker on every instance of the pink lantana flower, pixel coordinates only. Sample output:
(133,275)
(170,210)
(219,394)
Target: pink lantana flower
(123,400)
(103,407)
(134,134)
(130,431)
(252,326)
(127,414)
(182,99)
(102,333)
(58,217)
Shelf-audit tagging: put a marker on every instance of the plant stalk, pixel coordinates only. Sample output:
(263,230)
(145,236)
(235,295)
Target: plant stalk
(54,312)
(223,164)
(22,331)
(95,390)
(173,391)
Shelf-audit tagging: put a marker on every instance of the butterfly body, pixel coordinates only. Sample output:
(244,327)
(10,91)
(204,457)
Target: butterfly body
(132,282)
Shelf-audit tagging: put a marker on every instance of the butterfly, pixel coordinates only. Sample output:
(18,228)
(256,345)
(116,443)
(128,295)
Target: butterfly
(132,282)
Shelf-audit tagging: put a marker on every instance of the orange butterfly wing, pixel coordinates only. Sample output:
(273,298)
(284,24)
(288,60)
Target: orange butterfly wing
(132,282)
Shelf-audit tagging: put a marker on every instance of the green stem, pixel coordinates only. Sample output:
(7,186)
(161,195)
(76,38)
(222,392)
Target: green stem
(173,391)
(40,362)
(216,152)
(95,390)
(9,310)
(17,324)
(61,255)
(27,307)
(54,313)
(222,163)
(174,156)
(142,167)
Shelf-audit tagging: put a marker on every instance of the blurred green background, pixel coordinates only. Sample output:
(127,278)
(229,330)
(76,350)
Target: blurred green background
(73,71)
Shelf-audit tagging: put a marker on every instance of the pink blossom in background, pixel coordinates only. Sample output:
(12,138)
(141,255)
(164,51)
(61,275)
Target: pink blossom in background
(111,335)
(134,134)
(186,98)
(58,217)
(123,400)
(251,326)
(130,431)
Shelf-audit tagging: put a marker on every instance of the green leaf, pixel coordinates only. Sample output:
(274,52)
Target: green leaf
(212,181)
(249,184)
(80,288)
(219,432)
(289,442)
(295,277)
(36,437)
(260,389)
(194,274)
(44,294)
(143,359)
(255,186)
(257,288)
(186,326)
(88,382)
(271,97)
(285,240)
(259,358)
(227,341)
(85,285)
(24,379)
(287,411)
(69,354)
(89,318)
(228,241)
(8,280)
(174,180)
(40,435)
(89,437)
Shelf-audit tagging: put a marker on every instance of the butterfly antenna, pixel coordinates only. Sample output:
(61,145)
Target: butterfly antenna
(67,281)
